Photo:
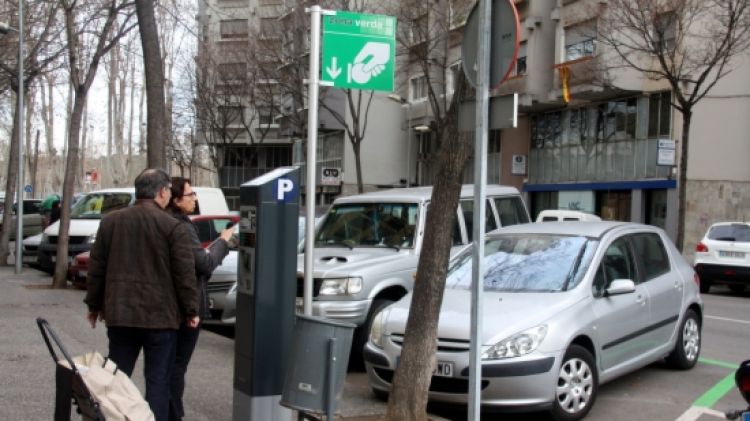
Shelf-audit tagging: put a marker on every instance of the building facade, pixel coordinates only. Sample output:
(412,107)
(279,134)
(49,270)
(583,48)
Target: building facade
(589,138)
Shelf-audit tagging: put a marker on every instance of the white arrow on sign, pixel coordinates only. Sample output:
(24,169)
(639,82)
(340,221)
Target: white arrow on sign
(333,70)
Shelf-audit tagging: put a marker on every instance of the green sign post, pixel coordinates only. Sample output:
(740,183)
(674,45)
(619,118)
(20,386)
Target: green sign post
(359,51)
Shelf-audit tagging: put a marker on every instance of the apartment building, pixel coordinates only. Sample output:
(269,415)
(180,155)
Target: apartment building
(589,138)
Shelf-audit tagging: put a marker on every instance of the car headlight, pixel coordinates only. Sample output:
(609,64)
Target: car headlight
(519,344)
(233,289)
(341,286)
(376,330)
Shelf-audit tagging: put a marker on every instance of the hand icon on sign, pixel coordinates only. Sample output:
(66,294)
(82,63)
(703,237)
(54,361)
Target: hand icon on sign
(370,61)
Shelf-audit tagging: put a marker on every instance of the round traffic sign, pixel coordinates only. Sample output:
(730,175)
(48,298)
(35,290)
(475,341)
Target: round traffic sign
(27,188)
(504,42)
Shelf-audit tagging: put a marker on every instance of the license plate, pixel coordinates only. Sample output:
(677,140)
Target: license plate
(442,369)
(210,303)
(732,254)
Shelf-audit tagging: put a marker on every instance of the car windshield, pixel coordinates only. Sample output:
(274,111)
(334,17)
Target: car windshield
(526,263)
(734,232)
(94,205)
(369,225)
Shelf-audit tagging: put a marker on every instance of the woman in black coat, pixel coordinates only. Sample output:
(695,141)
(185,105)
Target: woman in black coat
(181,205)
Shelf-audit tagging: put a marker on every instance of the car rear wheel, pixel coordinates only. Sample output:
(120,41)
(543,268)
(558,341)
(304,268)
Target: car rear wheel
(577,385)
(688,346)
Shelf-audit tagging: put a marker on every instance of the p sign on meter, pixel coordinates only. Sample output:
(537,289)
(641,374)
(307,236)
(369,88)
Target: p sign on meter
(285,190)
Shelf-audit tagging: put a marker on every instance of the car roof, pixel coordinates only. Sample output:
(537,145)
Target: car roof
(596,229)
(725,223)
(420,194)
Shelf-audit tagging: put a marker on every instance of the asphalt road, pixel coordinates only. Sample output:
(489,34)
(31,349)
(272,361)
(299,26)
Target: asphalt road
(653,393)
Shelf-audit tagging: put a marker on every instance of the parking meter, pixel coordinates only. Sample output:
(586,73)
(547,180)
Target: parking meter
(266,291)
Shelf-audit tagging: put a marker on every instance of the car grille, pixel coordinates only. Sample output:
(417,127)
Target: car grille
(317,282)
(444,344)
(437,384)
(71,240)
(220,286)
(30,248)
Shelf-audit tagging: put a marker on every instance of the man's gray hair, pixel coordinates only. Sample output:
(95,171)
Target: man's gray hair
(150,182)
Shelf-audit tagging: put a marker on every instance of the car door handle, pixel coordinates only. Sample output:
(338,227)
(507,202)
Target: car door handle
(640,299)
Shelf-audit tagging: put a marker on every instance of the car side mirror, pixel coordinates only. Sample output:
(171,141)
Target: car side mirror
(620,286)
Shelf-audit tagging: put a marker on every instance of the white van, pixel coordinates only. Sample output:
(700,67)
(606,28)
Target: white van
(87,213)
(565,215)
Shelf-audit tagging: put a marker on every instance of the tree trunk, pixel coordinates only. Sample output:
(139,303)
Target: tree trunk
(156,136)
(10,187)
(357,148)
(687,115)
(59,279)
(408,399)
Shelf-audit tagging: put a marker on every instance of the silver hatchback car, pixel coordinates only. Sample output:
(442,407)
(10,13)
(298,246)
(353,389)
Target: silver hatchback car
(567,306)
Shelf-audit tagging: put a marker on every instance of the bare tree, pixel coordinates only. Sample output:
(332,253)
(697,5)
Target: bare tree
(690,44)
(92,30)
(156,129)
(425,40)
(42,49)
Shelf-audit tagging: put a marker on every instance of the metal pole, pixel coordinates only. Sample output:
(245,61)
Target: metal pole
(19,191)
(312,135)
(408,145)
(330,387)
(480,179)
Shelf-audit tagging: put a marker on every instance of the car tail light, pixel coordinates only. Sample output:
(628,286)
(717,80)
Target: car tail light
(697,279)
(701,248)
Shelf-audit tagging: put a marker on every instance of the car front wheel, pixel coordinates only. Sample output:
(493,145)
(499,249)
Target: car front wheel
(577,385)
(688,347)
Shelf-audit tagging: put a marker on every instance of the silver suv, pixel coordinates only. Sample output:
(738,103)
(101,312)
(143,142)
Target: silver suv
(367,249)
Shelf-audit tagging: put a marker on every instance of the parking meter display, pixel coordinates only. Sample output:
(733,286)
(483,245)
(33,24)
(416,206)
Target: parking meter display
(248,229)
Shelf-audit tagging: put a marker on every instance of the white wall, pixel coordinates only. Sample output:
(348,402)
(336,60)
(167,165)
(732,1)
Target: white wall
(383,152)
(720,130)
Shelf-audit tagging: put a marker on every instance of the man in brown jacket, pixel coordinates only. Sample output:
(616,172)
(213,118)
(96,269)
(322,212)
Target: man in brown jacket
(141,282)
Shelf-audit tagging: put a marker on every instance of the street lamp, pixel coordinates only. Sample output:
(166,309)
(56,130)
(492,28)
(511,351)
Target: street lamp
(4,28)
(407,105)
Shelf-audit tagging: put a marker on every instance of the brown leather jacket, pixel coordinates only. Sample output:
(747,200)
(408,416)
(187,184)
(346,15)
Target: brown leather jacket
(142,272)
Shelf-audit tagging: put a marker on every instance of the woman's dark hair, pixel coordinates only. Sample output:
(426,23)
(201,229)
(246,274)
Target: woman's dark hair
(178,191)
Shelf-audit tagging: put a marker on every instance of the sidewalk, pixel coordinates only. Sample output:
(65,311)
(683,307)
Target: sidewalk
(28,371)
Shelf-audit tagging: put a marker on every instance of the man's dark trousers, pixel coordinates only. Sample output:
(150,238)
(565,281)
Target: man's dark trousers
(158,346)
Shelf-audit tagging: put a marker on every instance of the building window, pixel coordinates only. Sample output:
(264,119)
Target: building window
(580,41)
(451,77)
(521,61)
(233,28)
(418,88)
(659,115)
(265,115)
(232,71)
(419,29)
(616,120)
(578,126)
(665,32)
(229,115)
(269,2)
(546,130)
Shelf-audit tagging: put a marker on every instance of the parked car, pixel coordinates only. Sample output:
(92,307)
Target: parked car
(87,213)
(548,215)
(567,306)
(209,227)
(32,217)
(367,248)
(723,256)
(30,247)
